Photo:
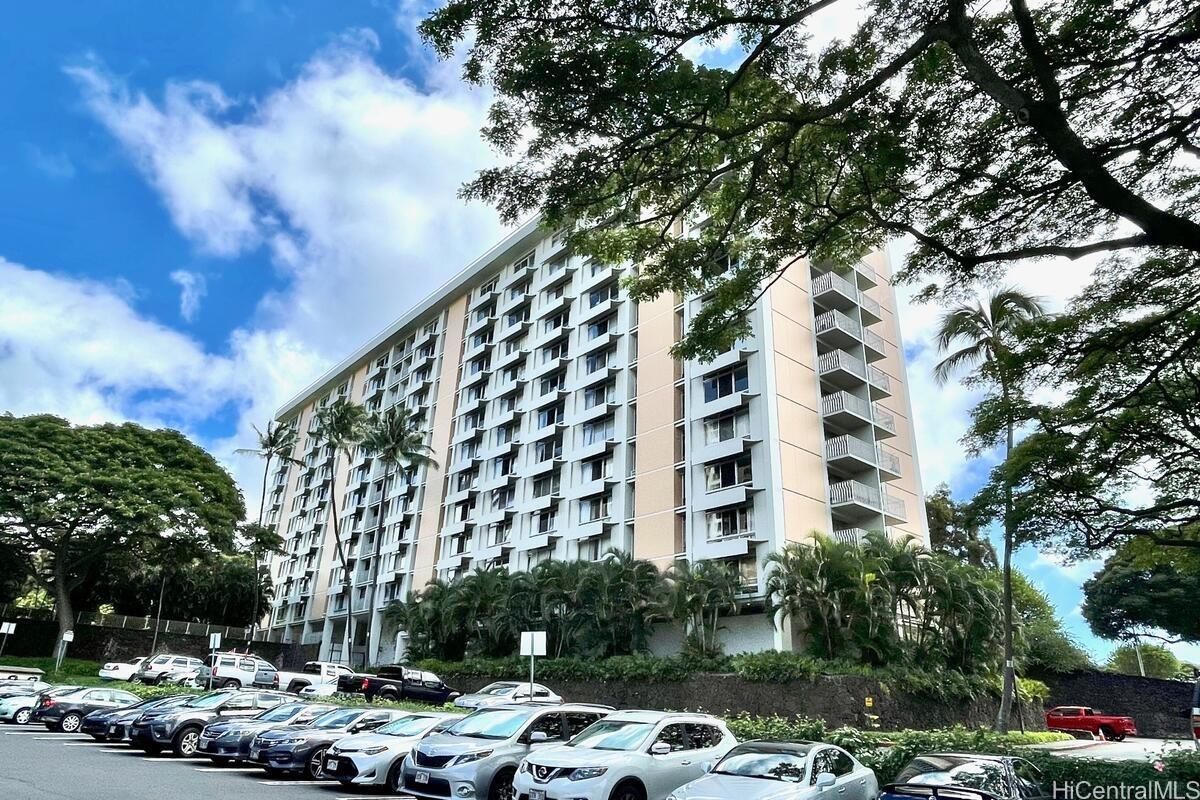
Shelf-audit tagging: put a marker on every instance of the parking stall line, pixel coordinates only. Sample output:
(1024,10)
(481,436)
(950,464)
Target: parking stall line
(295,783)
(83,744)
(227,769)
(121,750)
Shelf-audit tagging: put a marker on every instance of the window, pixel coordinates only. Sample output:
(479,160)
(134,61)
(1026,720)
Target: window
(511,374)
(576,721)
(553,351)
(513,344)
(596,361)
(479,365)
(726,427)
(552,383)
(822,763)
(593,508)
(589,550)
(598,296)
(547,449)
(547,484)
(725,383)
(726,474)
(550,415)
(546,521)
(553,293)
(1028,779)
(675,736)
(487,288)
(841,762)
(596,469)
(555,322)
(549,724)
(517,290)
(508,402)
(704,736)
(596,395)
(599,430)
(498,533)
(505,433)
(599,328)
(502,498)
(730,522)
(503,465)
(515,317)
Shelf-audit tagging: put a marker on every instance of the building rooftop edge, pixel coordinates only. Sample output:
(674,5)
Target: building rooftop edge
(447,290)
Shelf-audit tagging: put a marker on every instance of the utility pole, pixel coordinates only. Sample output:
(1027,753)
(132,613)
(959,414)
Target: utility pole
(162,587)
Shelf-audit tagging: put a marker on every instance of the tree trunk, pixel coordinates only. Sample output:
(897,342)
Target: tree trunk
(383,504)
(341,554)
(262,506)
(1009,687)
(62,603)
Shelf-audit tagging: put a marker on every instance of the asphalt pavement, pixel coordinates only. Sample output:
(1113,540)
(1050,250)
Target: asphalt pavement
(39,765)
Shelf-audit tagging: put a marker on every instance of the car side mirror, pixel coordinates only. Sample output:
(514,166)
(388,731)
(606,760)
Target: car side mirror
(706,766)
(660,749)
(825,780)
(538,736)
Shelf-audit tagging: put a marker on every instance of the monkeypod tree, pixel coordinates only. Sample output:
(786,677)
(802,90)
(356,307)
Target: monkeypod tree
(71,496)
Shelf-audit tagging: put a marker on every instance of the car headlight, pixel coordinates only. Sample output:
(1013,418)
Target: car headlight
(296,740)
(586,773)
(374,751)
(467,758)
(523,767)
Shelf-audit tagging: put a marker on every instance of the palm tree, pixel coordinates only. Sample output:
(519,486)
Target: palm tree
(395,438)
(340,427)
(699,594)
(986,330)
(276,443)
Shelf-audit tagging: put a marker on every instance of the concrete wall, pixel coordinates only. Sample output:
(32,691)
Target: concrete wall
(1159,708)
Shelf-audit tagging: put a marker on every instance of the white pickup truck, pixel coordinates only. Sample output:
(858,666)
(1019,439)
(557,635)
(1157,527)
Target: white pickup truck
(318,674)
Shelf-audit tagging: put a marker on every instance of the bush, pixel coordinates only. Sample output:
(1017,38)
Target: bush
(771,666)
(745,726)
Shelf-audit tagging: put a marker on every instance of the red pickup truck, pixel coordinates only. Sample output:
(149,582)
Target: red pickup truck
(1082,718)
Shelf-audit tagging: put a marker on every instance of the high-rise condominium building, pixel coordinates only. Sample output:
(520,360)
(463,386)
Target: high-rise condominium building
(563,427)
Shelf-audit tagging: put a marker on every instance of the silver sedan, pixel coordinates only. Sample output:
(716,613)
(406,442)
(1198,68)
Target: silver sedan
(763,770)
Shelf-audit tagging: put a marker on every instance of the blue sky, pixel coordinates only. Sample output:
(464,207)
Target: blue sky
(189,194)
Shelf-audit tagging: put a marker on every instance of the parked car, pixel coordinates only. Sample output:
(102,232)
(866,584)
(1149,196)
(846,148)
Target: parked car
(314,673)
(398,682)
(988,776)
(629,755)
(229,740)
(18,708)
(112,725)
(121,670)
(160,667)
(65,712)
(179,728)
(302,748)
(501,692)
(755,770)
(481,752)
(377,758)
(319,691)
(1083,718)
(23,688)
(235,670)
(1196,713)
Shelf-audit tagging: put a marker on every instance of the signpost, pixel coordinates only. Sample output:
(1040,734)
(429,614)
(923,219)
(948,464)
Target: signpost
(533,643)
(6,628)
(214,644)
(67,638)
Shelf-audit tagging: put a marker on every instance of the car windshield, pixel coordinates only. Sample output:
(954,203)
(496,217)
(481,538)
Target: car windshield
(409,726)
(787,767)
(497,688)
(500,723)
(612,735)
(60,691)
(280,713)
(965,771)
(338,718)
(209,700)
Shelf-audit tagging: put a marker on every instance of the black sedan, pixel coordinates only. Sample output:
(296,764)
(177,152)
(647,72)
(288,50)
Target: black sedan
(988,777)
(66,711)
(112,725)
(229,740)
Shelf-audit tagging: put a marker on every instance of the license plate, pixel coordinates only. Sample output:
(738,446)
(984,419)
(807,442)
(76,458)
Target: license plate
(421,777)
(537,794)
(331,764)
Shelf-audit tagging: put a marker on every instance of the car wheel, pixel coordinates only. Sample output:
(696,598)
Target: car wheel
(152,749)
(1118,737)
(628,790)
(22,716)
(395,777)
(295,686)
(388,697)
(219,761)
(70,723)
(502,786)
(231,684)
(185,742)
(314,768)
(1106,733)
(273,772)
(99,737)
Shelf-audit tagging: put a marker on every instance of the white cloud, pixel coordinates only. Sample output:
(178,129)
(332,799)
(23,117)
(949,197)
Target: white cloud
(192,288)
(54,165)
(347,176)
(1075,571)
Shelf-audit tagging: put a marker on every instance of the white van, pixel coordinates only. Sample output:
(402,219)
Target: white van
(232,671)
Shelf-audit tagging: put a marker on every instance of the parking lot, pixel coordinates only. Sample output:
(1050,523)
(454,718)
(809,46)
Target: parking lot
(39,765)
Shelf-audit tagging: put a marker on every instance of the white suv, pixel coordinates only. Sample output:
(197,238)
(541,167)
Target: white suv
(630,755)
(234,671)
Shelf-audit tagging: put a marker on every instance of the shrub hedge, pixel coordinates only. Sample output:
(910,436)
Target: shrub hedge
(764,667)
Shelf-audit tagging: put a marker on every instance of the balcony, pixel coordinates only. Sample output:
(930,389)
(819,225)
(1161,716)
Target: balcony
(881,384)
(849,452)
(885,423)
(850,536)
(723,498)
(841,369)
(870,310)
(838,329)
(833,291)
(597,311)
(893,510)
(889,463)
(866,274)
(854,499)
(845,410)
(483,298)
(874,345)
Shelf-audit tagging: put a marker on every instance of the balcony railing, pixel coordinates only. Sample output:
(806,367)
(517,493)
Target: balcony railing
(844,401)
(878,378)
(894,507)
(834,319)
(836,360)
(883,419)
(888,461)
(852,536)
(846,445)
(830,282)
(846,492)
